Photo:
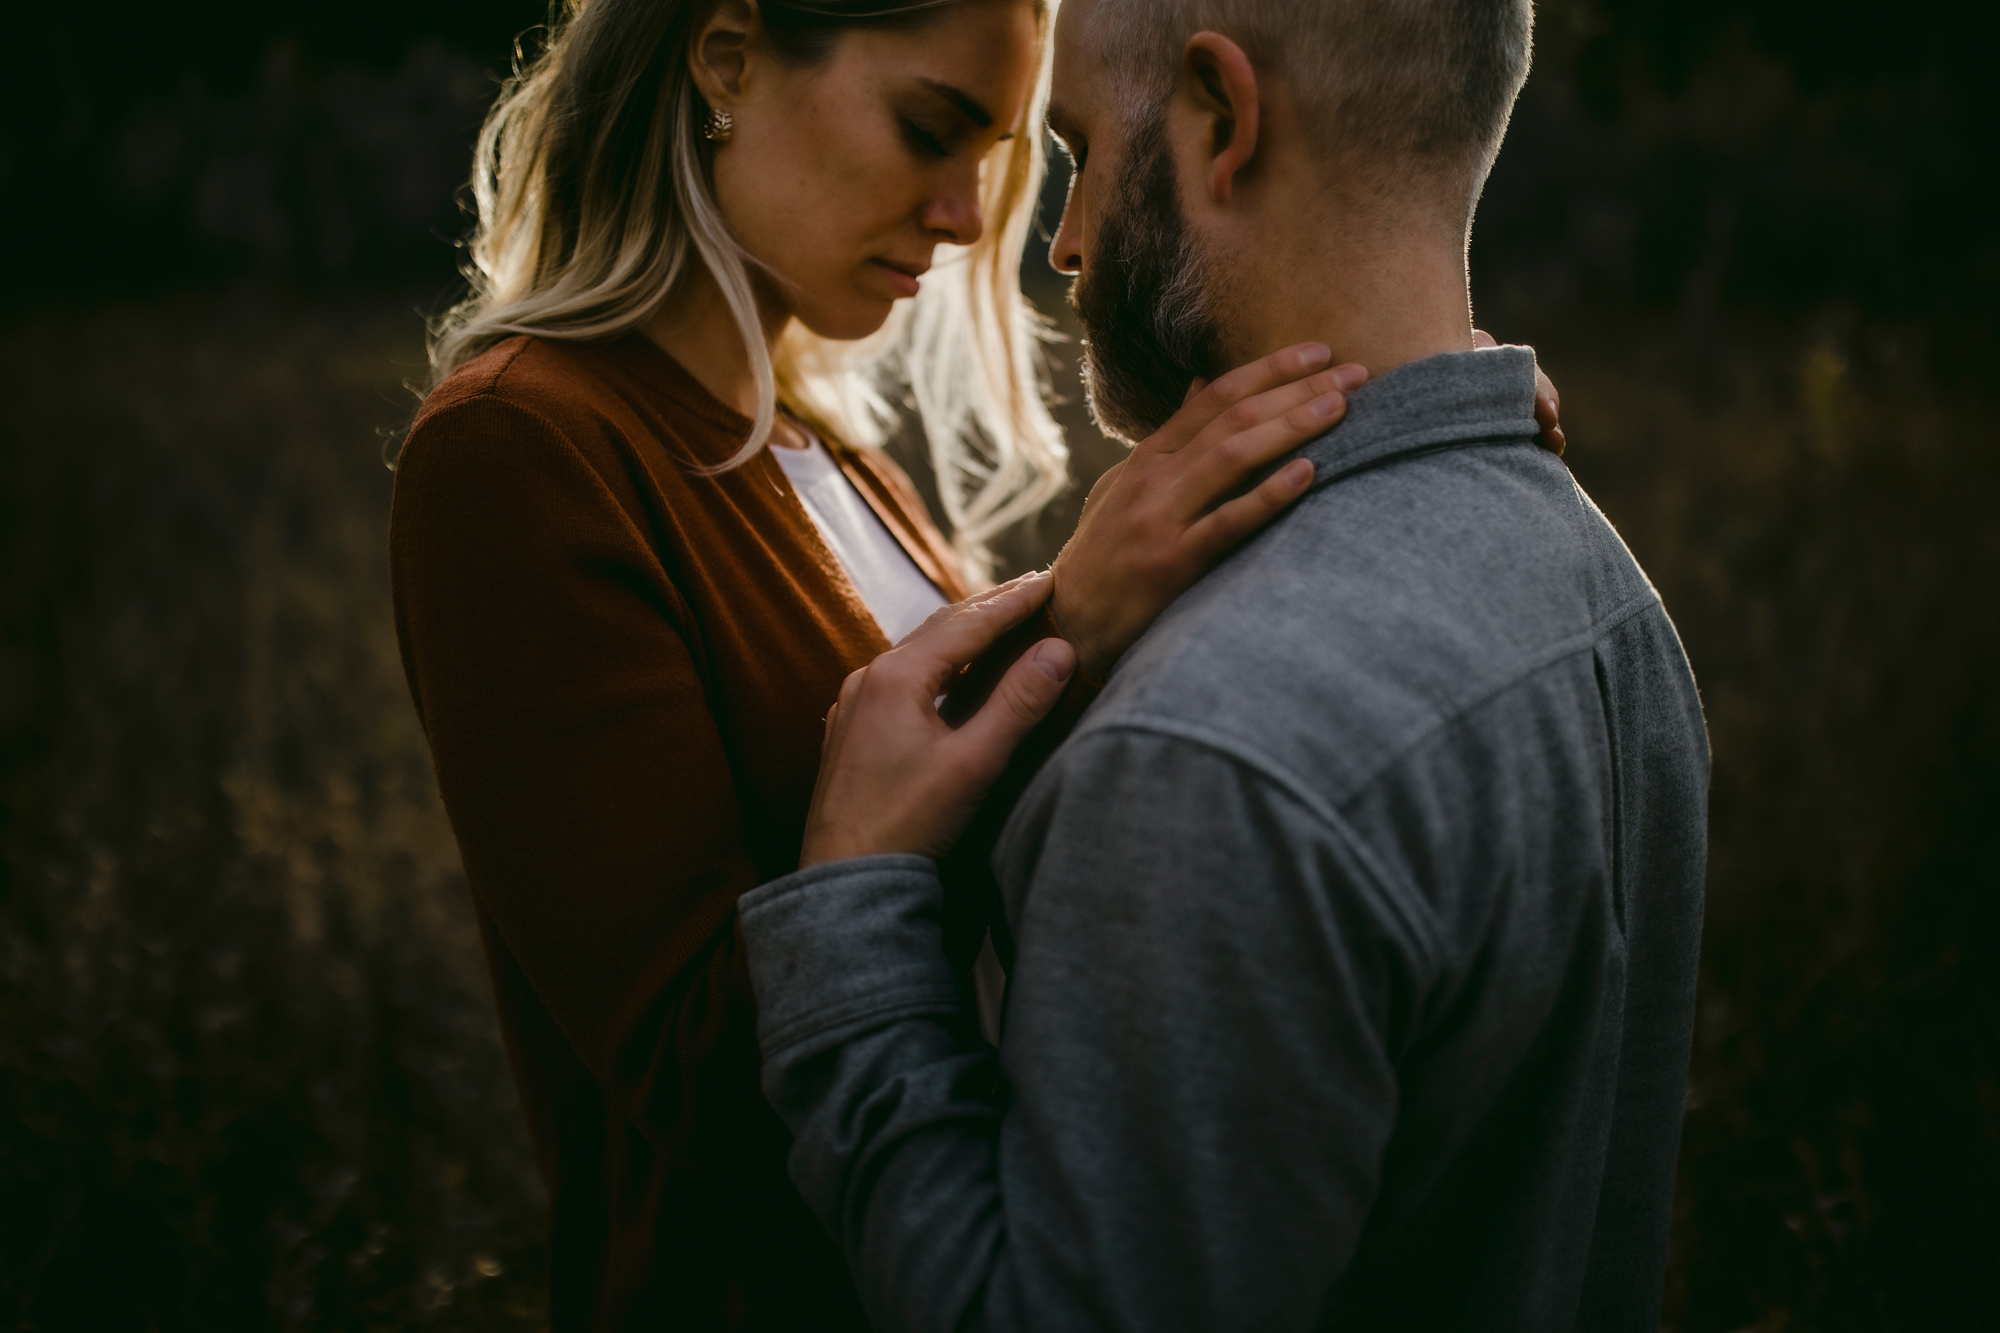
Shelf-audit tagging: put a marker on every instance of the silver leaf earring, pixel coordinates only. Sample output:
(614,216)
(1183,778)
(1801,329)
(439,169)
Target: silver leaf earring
(719,126)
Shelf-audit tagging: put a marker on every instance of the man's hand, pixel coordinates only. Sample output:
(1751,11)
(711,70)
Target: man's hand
(893,776)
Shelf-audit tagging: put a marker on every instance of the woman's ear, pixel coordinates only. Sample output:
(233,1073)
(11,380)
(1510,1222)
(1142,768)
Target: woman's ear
(720,51)
(1222,84)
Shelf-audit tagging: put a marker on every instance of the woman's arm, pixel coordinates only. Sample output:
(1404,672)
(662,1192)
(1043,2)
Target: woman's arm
(583,772)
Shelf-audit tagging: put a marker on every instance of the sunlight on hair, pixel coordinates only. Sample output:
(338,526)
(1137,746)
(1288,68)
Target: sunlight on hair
(588,223)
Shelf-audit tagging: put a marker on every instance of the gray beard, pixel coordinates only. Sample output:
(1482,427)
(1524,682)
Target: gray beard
(1149,327)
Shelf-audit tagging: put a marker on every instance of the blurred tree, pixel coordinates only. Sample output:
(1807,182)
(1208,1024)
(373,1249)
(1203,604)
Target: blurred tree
(170,147)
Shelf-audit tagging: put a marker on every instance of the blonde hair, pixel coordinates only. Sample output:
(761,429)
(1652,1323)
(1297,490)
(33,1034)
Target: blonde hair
(594,207)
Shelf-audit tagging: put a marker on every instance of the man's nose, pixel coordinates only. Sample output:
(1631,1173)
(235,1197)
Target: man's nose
(1066,250)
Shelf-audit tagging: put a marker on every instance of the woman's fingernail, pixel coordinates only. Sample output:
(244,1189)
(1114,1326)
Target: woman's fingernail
(1314,354)
(1298,472)
(1328,405)
(1055,659)
(1350,378)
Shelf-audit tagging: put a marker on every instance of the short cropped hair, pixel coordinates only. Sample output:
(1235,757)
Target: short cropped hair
(1424,84)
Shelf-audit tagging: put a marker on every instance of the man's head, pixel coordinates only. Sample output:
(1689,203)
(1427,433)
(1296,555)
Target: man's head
(1208,132)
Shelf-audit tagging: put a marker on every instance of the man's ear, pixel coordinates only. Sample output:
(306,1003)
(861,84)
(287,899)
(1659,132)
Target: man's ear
(1220,80)
(720,51)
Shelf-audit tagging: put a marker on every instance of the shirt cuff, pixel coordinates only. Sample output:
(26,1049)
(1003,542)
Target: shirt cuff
(840,948)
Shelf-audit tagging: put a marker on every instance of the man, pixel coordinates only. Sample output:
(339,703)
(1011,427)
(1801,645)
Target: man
(1355,927)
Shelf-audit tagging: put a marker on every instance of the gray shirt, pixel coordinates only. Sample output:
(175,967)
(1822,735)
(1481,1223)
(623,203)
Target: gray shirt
(1355,933)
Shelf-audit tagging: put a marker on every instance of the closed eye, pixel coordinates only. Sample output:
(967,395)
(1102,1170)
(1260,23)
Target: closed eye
(922,138)
(1072,144)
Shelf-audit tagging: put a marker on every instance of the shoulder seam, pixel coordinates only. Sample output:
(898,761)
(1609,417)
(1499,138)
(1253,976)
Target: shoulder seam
(513,354)
(1421,932)
(487,383)
(1576,643)
(1411,920)
(491,393)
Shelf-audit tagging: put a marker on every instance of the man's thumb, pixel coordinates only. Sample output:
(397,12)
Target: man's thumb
(1025,694)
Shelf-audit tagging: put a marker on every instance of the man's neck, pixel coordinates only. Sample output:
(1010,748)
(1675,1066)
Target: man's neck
(1381,297)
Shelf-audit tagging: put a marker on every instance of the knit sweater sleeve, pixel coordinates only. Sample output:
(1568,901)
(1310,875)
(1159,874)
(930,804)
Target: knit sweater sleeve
(550,656)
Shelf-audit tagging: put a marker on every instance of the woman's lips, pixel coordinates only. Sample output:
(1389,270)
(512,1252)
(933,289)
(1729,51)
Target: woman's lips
(901,281)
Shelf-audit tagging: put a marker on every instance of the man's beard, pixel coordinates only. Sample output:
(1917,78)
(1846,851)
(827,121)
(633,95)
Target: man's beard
(1147,323)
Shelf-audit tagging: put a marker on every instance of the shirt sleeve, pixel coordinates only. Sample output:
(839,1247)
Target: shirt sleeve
(1195,1087)
(583,772)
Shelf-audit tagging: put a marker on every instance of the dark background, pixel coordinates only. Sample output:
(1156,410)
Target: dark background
(248,1072)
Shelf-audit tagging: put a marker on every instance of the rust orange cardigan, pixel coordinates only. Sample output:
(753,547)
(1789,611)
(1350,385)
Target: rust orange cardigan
(622,667)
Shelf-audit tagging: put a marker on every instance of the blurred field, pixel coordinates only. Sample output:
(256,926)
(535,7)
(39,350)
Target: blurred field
(249,1076)
(246,1040)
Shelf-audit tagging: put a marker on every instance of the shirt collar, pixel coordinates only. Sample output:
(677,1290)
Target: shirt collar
(1441,402)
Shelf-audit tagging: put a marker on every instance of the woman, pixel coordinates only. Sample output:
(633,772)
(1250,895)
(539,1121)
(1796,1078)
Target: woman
(636,549)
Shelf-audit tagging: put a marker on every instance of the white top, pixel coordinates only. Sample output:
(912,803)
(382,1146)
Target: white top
(890,584)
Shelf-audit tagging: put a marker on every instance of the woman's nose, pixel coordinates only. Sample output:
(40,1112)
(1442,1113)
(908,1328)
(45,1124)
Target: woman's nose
(953,214)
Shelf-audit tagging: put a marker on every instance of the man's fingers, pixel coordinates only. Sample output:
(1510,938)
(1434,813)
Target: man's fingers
(1231,523)
(936,650)
(1023,697)
(1267,372)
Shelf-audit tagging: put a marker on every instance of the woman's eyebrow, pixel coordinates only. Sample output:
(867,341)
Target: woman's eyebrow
(978,114)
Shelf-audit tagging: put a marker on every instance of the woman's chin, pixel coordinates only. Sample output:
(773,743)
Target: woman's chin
(850,322)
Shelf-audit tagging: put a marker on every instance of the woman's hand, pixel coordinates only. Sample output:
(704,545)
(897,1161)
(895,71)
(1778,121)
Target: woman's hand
(1547,400)
(1159,519)
(893,775)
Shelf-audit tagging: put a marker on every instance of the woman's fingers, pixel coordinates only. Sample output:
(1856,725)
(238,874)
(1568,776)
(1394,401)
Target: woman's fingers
(1222,531)
(1212,400)
(1259,408)
(1222,468)
(1548,413)
(1548,402)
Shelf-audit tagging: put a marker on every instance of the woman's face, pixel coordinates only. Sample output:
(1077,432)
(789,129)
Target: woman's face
(843,177)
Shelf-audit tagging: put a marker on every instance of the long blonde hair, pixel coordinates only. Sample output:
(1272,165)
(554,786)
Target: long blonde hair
(594,206)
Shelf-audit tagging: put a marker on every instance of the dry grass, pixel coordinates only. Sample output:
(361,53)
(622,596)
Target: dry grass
(251,1073)
(251,1077)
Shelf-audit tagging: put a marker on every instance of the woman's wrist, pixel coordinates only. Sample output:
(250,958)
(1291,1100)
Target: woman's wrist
(1074,627)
